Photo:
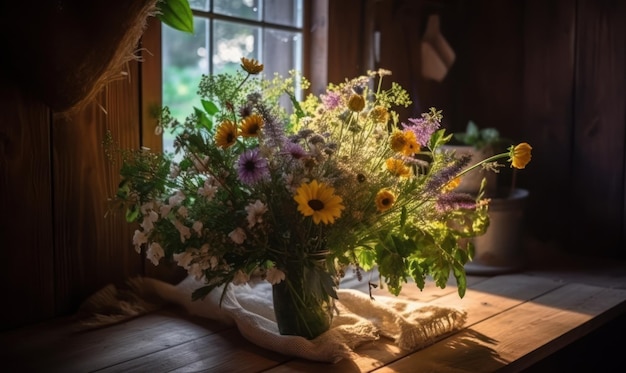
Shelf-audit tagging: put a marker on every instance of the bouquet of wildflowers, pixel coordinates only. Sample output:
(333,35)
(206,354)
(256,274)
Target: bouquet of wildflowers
(336,181)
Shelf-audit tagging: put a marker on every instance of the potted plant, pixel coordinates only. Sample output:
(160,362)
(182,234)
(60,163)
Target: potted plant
(500,249)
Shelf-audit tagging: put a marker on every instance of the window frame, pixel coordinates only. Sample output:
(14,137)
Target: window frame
(314,66)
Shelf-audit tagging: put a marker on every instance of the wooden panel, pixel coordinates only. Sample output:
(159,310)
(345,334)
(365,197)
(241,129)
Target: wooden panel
(548,93)
(600,126)
(26,268)
(92,249)
(345,32)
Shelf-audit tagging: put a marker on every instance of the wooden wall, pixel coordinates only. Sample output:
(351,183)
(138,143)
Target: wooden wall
(547,72)
(57,245)
(550,72)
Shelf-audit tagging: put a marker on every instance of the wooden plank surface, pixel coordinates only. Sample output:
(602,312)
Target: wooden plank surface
(483,300)
(513,321)
(522,335)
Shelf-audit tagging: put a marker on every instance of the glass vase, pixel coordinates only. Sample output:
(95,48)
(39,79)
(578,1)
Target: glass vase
(302,304)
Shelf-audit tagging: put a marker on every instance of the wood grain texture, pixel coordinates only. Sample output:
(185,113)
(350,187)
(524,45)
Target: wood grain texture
(599,146)
(514,321)
(345,29)
(26,268)
(548,110)
(92,249)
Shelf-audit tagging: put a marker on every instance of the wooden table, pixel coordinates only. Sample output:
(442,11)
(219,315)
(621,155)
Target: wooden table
(514,321)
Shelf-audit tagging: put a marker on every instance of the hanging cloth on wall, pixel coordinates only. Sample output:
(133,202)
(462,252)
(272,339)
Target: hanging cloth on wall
(437,55)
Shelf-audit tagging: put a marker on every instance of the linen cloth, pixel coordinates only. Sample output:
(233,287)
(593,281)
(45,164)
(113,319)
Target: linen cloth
(359,318)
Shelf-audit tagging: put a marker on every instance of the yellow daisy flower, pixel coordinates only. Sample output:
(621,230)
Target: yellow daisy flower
(384,200)
(251,125)
(251,66)
(380,114)
(397,141)
(520,155)
(411,146)
(319,201)
(397,167)
(226,134)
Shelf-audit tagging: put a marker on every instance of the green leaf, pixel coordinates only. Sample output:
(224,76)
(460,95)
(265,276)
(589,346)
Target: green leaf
(203,120)
(132,213)
(209,107)
(176,14)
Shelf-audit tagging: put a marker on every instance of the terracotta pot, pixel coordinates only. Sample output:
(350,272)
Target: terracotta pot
(500,249)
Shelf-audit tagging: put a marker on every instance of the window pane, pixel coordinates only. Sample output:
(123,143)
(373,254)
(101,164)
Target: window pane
(185,59)
(283,12)
(248,9)
(282,51)
(231,42)
(200,4)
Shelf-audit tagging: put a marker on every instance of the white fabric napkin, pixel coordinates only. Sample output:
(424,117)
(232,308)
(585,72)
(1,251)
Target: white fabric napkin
(411,325)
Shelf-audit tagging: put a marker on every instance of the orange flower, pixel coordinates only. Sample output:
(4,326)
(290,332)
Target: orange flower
(251,66)
(385,200)
(520,155)
(397,167)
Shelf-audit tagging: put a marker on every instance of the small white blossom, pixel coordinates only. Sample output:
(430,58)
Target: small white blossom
(200,164)
(148,221)
(155,253)
(139,238)
(238,236)
(182,211)
(240,278)
(274,275)
(184,231)
(184,259)
(176,199)
(195,271)
(165,210)
(255,213)
(208,190)
(197,226)
(174,171)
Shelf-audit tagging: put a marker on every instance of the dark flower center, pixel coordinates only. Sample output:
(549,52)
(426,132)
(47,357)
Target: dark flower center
(386,201)
(316,204)
(250,165)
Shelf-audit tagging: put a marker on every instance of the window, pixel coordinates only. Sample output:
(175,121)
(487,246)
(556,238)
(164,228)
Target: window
(270,31)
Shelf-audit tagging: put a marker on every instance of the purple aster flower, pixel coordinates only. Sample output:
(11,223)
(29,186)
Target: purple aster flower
(295,150)
(422,129)
(252,167)
(331,100)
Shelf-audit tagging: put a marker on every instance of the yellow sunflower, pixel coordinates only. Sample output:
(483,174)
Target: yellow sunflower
(226,134)
(385,199)
(251,125)
(520,155)
(397,167)
(251,66)
(319,201)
